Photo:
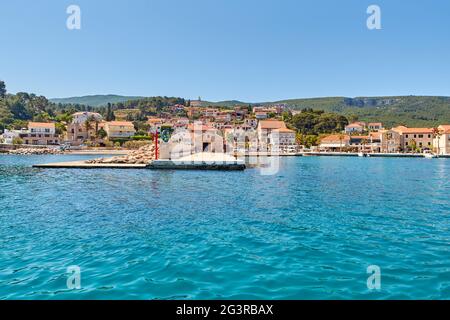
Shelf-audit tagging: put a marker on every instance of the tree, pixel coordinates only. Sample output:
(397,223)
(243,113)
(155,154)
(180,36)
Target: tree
(2,89)
(102,133)
(17,141)
(437,137)
(109,113)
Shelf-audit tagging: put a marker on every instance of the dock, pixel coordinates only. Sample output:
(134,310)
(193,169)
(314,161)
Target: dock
(84,165)
(202,161)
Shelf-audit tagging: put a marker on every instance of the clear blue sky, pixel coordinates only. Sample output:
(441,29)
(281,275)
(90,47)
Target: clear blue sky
(251,50)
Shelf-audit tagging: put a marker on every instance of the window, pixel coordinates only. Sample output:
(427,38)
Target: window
(407,136)
(420,135)
(415,136)
(429,136)
(429,143)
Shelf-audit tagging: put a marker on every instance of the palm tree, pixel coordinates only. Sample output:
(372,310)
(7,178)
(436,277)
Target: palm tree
(88,127)
(341,138)
(437,136)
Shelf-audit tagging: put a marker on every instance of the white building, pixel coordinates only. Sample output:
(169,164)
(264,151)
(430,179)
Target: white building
(441,142)
(82,117)
(358,127)
(10,135)
(283,139)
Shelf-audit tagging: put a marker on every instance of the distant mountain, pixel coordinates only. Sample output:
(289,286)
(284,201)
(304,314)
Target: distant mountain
(94,100)
(227,103)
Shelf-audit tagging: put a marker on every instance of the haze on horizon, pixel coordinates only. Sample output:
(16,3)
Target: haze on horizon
(252,51)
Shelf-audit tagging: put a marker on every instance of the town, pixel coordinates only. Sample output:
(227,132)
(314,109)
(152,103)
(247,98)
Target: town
(252,129)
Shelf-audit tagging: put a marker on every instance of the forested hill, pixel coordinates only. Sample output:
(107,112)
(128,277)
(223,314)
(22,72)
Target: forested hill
(95,100)
(419,111)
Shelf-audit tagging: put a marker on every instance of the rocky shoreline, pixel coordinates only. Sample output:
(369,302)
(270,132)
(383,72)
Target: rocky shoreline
(143,155)
(35,151)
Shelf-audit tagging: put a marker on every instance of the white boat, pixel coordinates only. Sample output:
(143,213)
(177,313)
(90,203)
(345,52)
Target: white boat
(362,154)
(429,155)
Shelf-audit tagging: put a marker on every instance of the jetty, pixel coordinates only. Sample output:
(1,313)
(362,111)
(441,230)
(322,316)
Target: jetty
(199,161)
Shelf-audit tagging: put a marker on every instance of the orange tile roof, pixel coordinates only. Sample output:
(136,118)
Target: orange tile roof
(334,138)
(285,130)
(121,123)
(355,125)
(154,120)
(403,130)
(376,135)
(193,127)
(445,128)
(41,125)
(272,124)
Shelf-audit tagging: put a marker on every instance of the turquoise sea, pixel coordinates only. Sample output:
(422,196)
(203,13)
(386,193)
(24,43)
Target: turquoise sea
(308,232)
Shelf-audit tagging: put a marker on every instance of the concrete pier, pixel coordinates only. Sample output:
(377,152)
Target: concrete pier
(84,165)
(201,161)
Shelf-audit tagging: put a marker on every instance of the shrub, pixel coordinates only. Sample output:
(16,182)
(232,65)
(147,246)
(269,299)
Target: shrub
(17,141)
(135,144)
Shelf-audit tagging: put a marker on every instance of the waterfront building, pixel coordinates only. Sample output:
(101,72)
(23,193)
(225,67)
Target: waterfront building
(9,135)
(283,139)
(265,129)
(205,138)
(441,141)
(120,129)
(415,139)
(334,142)
(391,141)
(40,133)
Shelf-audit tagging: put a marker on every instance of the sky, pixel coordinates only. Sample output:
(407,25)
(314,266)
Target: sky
(248,50)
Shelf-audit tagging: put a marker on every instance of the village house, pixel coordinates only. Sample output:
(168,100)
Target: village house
(84,126)
(155,124)
(40,133)
(205,138)
(120,129)
(10,135)
(265,129)
(334,142)
(356,127)
(375,126)
(261,115)
(441,140)
(391,141)
(284,139)
(415,139)
(251,122)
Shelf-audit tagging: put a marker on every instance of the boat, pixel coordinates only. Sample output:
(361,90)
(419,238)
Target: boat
(362,154)
(429,155)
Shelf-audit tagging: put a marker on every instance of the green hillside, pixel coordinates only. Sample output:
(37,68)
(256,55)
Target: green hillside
(94,100)
(408,110)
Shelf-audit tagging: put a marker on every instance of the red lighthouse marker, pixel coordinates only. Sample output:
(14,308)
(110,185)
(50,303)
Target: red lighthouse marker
(156,145)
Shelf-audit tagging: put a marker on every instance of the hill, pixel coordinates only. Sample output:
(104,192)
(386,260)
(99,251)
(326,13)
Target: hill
(421,111)
(94,100)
